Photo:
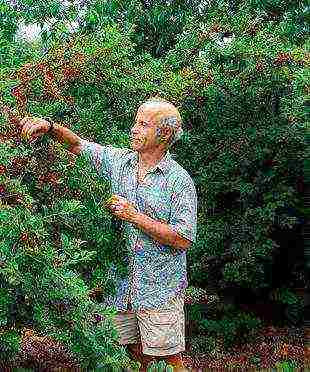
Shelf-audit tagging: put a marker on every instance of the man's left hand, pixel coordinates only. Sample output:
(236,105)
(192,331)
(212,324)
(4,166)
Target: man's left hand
(121,208)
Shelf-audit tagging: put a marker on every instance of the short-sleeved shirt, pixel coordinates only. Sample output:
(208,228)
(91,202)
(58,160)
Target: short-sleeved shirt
(156,272)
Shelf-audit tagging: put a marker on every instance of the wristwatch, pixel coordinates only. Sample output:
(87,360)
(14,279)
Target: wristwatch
(51,125)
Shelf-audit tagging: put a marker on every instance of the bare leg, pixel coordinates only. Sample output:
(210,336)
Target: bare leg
(136,351)
(176,361)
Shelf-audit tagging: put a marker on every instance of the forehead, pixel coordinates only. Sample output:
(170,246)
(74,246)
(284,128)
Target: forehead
(152,113)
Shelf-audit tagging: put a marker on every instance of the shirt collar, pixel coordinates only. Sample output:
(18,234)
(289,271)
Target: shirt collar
(163,164)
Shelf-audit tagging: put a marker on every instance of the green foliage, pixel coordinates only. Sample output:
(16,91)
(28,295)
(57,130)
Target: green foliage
(294,311)
(9,344)
(154,26)
(285,296)
(160,366)
(42,10)
(286,366)
(234,326)
(242,103)
(204,344)
(240,194)
(194,312)
(8,23)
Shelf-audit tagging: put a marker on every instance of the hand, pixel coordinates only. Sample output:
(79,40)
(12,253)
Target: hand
(121,208)
(33,127)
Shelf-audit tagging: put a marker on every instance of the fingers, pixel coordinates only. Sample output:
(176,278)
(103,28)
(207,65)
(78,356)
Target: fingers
(111,200)
(25,122)
(117,202)
(31,126)
(33,132)
(113,197)
(115,207)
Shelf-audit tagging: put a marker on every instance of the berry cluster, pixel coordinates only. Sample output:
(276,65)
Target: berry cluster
(2,190)
(282,58)
(52,178)
(28,72)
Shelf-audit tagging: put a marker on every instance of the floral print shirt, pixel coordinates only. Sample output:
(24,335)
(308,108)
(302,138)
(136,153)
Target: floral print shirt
(157,273)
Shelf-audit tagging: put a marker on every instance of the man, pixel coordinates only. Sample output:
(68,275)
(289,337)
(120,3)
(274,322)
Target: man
(156,200)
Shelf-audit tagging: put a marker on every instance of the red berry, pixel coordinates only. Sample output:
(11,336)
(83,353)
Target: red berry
(24,237)
(16,92)
(53,178)
(282,57)
(42,66)
(2,169)
(26,67)
(70,72)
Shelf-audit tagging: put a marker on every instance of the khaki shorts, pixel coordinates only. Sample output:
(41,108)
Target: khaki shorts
(161,331)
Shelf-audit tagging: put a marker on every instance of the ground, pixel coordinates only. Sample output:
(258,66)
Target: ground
(272,347)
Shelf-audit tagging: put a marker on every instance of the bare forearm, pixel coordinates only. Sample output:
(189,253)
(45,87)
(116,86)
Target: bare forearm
(65,136)
(159,231)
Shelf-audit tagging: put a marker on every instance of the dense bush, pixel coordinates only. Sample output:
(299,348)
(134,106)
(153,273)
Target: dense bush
(241,99)
(233,326)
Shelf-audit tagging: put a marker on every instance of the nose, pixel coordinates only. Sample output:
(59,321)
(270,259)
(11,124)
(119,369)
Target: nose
(134,131)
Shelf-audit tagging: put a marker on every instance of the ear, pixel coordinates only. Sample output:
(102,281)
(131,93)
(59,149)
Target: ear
(166,133)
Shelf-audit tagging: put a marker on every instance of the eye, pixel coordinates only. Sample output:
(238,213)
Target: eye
(143,123)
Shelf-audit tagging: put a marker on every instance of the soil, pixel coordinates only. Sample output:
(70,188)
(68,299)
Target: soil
(271,346)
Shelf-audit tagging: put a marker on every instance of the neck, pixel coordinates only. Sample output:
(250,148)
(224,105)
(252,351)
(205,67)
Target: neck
(149,160)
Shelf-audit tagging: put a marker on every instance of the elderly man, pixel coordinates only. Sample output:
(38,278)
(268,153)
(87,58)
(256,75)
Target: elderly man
(156,200)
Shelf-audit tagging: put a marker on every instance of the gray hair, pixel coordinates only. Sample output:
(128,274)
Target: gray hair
(170,122)
(173,122)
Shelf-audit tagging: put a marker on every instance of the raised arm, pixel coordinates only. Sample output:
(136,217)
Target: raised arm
(105,158)
(65,135)
(36,127)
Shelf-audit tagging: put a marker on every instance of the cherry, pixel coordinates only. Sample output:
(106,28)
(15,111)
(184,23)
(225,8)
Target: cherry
(24,237)
(282,57)
(17,92)
(2,189)
(2,169)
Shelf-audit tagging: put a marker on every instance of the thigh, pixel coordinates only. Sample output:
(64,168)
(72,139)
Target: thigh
(163,330)
(126,324)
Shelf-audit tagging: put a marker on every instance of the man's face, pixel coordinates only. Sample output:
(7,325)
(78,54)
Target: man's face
(143,133)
